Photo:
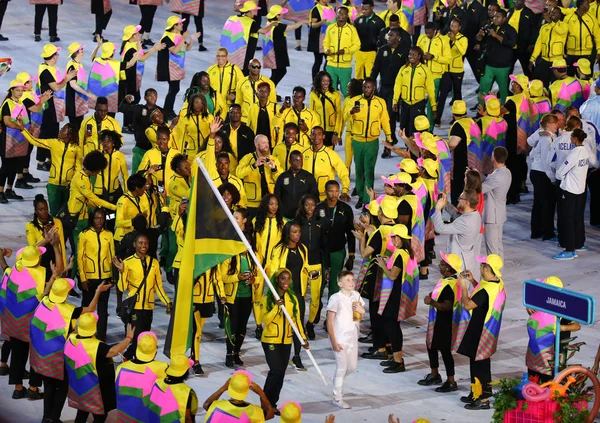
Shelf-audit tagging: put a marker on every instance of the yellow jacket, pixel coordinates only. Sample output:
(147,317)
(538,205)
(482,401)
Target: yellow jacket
(282,153)
(108,179)
(81,196)
(155,157)
(324,164)
(291,115)
(204,155)
(277,330)
(367,124)
(219,107)
(128,207)
(250,174)
(95,251)
(225,80)
(132,277)
(211,168)
(35,233)
(414,85)
(458,49)
(152,201)
(245,94)
(150,133)
(206,285)
(329,108)
(190,135)
(582,35)
(179,230)
(272,109)
(266,239)
(278,261)
(178,188)
(550,43)
(231,282)
(341,38)
(66,158)
(92,143)
(439,47)
(385,15)
(347,105)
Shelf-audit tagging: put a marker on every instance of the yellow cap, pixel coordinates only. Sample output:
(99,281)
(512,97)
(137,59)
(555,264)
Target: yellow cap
(520,79)
(60,290)
(107,50)
(584,66)
(554,281)
(421,420)
(73,47)
(431,167)
(401,231)
(459,108)
(559,63)
(86,326)
(452,260)
(373,207)
(130,30)
(146,346)
(276,10)
(15,83)
(536,88)
(409,166)
(492,107)
(24,77)
(239,385)
(30,255)
(389,207)
(248,6)
(179,365)
(291,412)
(173,20)
(421,123)
(49,50)
(403,178)
(494,261)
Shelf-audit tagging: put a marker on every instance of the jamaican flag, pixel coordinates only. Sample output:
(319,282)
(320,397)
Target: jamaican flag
(210,239)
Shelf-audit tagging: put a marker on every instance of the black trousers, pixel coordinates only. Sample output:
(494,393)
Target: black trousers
(170,98)
(593,183)
(197,22)
(298,33)
(8,170)
(429,247)
(18,361)
(543,72)
(434,361)
(457,185)
(482,370)
(26,159)
(515,163)
(379,333)
(55,395)
(82,417)
(48,130)
(473,57)
(278,74)
(302,309)
(523,58)
(101,308)
(147,12)
(544,206)
(3,6)
(102,20)
(142,322)
(239,313)
(317,63)
(387,93)
(571,70)
(277,357)
(393,332)
(5,351)
(76,121)
(450,81)
(40,10)
(408,114)
(571,230)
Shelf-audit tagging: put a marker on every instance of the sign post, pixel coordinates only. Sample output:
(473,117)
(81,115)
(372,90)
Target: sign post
(561,303)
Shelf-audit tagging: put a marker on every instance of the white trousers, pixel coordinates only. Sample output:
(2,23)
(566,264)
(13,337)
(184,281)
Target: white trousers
(346,361)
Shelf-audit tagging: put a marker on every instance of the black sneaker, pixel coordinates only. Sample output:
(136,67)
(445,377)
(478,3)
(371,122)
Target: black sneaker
(54,39)
(377,355)
(147,43)
(4,370)
(229,361)
(354,193)
(3,38)
(198,370)
(12,195)
(37,39)
(28,177)
(3,199)
(44,167)
(423,276)
(25,375)
(296,363)
(22,184)
(237,360)
(468,399)
(297,48)
(395,368)
(34,395)
(366,339)
(387,363)
(202,48)
(73,293)
(310,331)
(430,380)
(19,394)
(387,153)
(359,205)
(478,405)
(447,387)
(258,332)
(127,130)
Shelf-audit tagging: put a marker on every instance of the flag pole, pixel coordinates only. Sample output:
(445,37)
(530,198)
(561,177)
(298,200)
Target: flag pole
(257,262)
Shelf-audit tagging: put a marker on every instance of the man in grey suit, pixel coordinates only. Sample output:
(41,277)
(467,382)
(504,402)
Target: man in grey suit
(465,239)
(494,190)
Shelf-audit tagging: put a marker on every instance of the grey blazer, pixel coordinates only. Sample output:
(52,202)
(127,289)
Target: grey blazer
(494,191)
(465,239)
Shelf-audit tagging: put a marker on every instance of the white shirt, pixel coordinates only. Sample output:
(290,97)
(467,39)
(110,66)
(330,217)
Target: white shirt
(344,327)
(540,154)
(590,141)
(573,171)
(560,149)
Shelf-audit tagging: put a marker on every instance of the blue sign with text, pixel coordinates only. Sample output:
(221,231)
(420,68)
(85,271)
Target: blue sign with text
(559,302)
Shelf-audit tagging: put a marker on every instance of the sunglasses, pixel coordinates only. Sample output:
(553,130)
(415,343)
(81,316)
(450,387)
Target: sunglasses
(221,55)
(462,199)
(255,66)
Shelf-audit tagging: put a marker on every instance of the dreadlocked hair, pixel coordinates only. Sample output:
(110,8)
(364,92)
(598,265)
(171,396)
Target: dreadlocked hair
(290,291)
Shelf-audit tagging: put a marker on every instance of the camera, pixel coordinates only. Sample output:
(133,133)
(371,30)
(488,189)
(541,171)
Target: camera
(487,28)
(357,103)
(287,99)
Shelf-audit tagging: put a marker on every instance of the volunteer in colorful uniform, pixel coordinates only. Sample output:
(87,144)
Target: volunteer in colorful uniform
(76,94)
(321,16)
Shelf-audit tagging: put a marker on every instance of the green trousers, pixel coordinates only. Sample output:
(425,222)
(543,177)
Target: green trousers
(436,83)
(58,196)
(336,260)
(341,76)
(138,155)
(168,248)
(81,225)
(500,75)
(365,157)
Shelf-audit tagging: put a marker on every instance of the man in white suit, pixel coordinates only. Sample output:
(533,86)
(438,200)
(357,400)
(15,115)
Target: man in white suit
(464,233)
(494,191)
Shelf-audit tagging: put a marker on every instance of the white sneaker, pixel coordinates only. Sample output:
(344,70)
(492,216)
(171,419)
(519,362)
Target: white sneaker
(341,404)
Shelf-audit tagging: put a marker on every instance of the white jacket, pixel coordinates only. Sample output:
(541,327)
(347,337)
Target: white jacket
(573,171)
(540,154)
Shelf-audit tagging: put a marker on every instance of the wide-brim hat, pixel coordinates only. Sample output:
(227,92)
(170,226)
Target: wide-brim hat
(49,50)
(276,10)
(536,88)
(431,167)
(389,207)
(428,142)
(452,260)
(87,323)
(73,47)
(174,20)
(373,207)
(459,108)
(239,385)
(179,365)
(130,30)
(520,79)
(30,256)
(492,107)
(24,77)
(60,290)
(401,231)
(248,6)
(494,261)
(409,166)
(15,83)
(421,123)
